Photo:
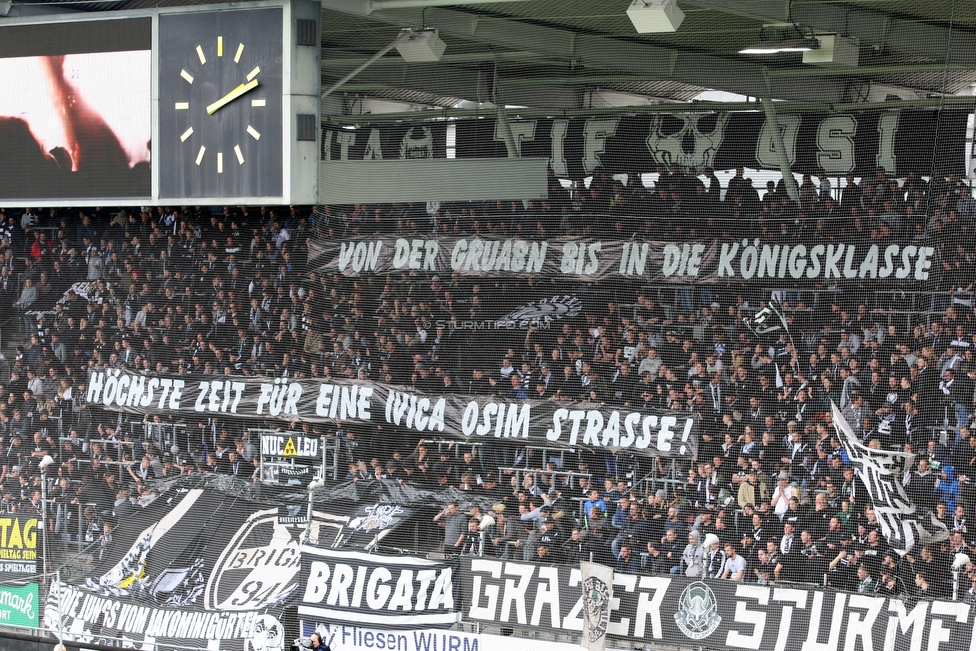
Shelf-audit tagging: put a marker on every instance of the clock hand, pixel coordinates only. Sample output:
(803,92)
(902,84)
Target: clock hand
(232,95)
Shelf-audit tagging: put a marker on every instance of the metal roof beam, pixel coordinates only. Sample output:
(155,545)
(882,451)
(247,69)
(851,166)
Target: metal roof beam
(450,82)
(870,27)
(605,53)
(470,57)
(532,88)
(876,28)
(462,83)
(367,7)
(698,107)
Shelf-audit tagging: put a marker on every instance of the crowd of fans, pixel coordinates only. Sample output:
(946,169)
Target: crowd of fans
(771,495)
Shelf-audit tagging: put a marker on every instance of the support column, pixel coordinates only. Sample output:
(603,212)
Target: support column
(784,161)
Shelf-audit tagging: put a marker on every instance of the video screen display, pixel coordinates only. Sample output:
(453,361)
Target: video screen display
(75,110)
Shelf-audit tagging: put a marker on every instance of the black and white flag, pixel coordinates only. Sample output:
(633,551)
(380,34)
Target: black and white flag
(903,525)
(772,321)
(767,321)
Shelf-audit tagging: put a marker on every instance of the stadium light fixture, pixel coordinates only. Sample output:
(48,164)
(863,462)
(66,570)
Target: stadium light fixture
(655,16)
(423,46)
(414,46)
(782,37)
(834,50)
(316,484)
(784,45)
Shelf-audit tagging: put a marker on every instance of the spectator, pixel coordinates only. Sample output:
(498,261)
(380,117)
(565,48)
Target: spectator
(455,523)
(627,562)
(599,537)
(735,564)
(468,543)
(672,551)
(693,556)
(594,501)
(921,485)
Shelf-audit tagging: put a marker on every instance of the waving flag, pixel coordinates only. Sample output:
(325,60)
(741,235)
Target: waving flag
(903,525)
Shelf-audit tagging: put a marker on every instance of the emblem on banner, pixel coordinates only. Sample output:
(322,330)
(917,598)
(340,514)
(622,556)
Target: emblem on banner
(596,607)
(377,518)
(697,615)
(686,138)
(544,311)
(259,567)
(269,634)
(290,450)
(421,146)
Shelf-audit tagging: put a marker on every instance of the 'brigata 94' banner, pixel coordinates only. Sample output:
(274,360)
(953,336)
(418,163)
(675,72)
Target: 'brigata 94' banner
(523,422)
(699,261)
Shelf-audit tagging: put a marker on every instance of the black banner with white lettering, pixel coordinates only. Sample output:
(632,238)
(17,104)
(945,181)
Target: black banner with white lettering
(717,614)
(578,425)
(384,142)
(857,142)
(699,262)
(195,569)
(351,587)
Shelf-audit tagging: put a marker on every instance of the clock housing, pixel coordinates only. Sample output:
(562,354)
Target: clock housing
(234,151)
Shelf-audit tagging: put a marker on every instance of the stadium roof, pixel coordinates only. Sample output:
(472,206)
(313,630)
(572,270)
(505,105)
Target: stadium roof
(569,55)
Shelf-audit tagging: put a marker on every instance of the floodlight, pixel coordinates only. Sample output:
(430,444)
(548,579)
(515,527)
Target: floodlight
(655,16)
(834,50)
(782,45)
(424,46)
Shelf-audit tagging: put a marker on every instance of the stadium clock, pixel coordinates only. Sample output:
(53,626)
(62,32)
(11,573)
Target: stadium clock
(220,104)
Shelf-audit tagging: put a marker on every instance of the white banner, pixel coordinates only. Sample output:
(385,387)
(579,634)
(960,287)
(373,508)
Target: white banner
(597,591)
(355,638)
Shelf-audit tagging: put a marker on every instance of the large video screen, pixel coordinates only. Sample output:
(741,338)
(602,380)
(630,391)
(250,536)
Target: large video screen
(75,110)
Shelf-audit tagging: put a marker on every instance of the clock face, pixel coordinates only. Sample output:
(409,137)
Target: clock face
(220,104)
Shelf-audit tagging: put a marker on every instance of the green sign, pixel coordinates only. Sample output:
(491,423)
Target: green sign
(19,605)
